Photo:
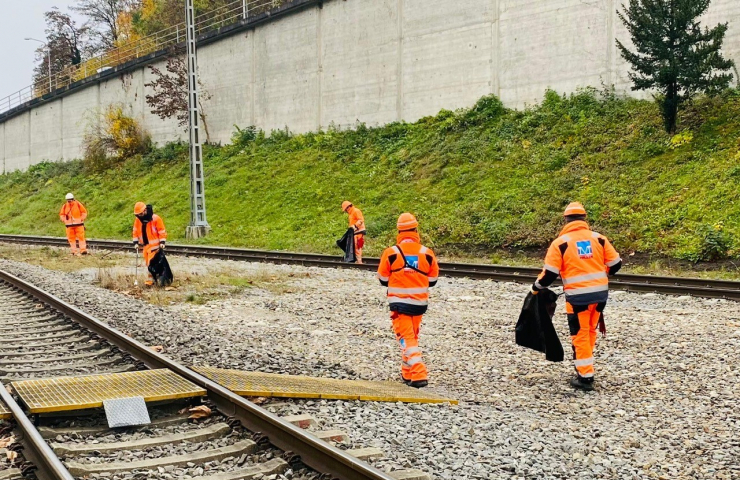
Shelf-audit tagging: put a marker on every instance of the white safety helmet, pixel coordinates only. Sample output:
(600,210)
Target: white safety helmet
(70,196)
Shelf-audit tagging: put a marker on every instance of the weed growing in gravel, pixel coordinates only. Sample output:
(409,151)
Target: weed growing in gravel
(115,271)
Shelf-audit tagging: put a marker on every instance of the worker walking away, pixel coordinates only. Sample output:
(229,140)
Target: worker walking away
(357,223)
(408,269)
(149,233)
(74,214)
(583,259)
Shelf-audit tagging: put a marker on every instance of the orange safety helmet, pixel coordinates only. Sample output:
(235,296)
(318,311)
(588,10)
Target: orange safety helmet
(406,222)
(139,208)
(345,205)
(574,208)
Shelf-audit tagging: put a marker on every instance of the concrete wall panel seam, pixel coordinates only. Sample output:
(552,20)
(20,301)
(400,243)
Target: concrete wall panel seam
(399,68)
(319,66)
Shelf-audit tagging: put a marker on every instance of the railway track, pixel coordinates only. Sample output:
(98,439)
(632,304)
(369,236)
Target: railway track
(44,337)
(697,287)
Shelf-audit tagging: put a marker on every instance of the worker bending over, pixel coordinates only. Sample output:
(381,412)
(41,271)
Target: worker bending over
(149,232)
(73,214)
(357,223)
(583,259)
(408,269)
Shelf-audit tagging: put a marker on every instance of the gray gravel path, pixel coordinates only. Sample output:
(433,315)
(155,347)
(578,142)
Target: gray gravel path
(666,404)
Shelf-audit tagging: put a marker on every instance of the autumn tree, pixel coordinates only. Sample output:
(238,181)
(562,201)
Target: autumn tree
(68,44)
(170,92)
(157,15)
(673,54)
(107,19)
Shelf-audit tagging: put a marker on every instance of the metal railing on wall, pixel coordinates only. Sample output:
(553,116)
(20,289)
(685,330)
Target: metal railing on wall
(170,37)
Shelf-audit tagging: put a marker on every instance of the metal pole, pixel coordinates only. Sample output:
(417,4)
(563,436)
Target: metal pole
(198,223)
(244,9)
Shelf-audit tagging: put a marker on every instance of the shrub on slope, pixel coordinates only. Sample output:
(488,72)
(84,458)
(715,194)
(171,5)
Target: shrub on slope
(478,179)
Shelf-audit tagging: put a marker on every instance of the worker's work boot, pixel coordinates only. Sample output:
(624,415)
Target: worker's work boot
(404,380)
(418,383)
(582,383)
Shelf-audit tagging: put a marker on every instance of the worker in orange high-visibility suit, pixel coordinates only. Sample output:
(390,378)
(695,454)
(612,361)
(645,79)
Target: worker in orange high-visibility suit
(408,269)
(583,259)
(356,222)
(149,232)
(73,214)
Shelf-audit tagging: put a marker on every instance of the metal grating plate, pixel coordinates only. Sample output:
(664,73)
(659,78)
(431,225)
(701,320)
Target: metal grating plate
(78,393)
(255,384)
(126,412)
(4,412)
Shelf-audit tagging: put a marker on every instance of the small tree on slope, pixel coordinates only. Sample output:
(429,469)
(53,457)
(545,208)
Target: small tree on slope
(169,98)
(672,53)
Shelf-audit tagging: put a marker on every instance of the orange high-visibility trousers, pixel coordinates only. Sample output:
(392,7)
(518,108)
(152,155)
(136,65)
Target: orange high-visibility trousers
(359,244)
(406,328)
(149,253)
(583,337)
(76,235)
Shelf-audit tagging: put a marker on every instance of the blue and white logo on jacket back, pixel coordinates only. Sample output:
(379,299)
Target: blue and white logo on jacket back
(584,249)
(412,261)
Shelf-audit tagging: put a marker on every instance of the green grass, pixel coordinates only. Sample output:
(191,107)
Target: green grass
(479,180)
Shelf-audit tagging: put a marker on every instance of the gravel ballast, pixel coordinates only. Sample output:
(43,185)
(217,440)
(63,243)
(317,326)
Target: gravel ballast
(666,404)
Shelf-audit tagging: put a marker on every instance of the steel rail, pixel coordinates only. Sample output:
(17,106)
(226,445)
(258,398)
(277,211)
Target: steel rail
(315,453)
(698,287)
(37,451)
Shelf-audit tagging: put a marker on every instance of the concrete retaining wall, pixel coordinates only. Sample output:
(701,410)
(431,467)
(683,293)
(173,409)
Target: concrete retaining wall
(372,61)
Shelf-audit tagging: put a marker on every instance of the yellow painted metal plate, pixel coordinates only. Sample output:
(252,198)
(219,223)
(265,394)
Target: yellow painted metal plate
(255,384)
(4,412)
(78,393)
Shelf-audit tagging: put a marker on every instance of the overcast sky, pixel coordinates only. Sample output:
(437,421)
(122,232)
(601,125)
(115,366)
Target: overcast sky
(20,19)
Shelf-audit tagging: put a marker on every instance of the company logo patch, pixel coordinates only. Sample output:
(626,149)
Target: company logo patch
(584,249)
(412,261)
(402,342)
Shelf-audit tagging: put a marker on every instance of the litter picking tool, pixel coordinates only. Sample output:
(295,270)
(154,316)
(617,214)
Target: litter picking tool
(136,267)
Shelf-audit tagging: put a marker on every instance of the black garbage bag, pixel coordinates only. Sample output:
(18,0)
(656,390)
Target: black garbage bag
(535,329)
(160,269)
(347,244)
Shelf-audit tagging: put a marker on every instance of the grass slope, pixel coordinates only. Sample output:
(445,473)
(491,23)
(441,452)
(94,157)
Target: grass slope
(478,179)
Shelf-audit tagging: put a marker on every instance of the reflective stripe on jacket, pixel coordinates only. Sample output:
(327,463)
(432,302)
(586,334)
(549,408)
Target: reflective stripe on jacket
(73,213)
(155,231)
(582,259)
(408,280)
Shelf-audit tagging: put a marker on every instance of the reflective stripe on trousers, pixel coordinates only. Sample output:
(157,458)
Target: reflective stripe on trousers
(584,340)
(406,328)
(75,236)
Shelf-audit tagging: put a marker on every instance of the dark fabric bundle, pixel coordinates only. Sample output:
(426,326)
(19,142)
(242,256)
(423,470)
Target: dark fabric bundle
(347,244)
(159,267)
(535,329)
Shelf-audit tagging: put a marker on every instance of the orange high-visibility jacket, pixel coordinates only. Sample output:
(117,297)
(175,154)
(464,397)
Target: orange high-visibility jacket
(155,232)
(356,220)
(408,269)
(582,258)
(73,214)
